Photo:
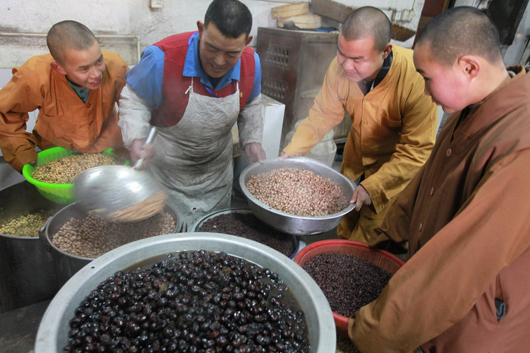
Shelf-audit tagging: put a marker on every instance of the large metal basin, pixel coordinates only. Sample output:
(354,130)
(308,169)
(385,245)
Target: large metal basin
(197,226)
(66,265)
(53,330)
(27,272)
(288,223)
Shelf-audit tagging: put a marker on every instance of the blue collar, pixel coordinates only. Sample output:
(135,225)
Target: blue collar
(82,92)
(193,67)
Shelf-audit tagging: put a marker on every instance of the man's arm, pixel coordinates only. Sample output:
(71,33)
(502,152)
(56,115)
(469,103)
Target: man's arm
(18,98)
(250,120)
(141,94)
(135,115)
(326,113)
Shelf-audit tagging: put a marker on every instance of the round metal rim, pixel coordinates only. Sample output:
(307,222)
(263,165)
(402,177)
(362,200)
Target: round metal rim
(46,237)
(252,198)
(199,223)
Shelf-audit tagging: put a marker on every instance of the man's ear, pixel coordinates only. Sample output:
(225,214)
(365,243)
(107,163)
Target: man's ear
(200,27)
(470,65)
(58,68)
(387,50)
(248,40)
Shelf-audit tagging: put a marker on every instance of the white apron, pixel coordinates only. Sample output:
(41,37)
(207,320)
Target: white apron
(193,159)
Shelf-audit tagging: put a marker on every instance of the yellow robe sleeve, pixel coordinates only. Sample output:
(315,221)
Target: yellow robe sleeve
(16,100)
(326,113)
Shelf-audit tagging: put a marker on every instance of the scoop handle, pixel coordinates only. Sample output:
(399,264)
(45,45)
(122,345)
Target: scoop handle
(149,139)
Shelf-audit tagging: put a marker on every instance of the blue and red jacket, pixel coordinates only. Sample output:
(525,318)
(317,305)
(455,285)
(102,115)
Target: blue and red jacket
(164,74)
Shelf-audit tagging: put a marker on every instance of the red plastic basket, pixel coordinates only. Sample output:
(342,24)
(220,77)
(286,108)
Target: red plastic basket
(380,258)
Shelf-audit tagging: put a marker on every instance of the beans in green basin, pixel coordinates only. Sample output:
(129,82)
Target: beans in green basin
(64,170)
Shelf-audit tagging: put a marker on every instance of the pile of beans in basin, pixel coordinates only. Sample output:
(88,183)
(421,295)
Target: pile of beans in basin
(191,301)
(65,169)
(298,192)
(348,282)
(246,225)
(25,225)
(93,236)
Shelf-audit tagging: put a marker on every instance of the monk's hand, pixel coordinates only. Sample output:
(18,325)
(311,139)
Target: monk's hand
(284,156)
(255,152)
(34,162)
(360,198)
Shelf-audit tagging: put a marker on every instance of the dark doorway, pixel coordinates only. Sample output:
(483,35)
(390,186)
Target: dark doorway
(506,14)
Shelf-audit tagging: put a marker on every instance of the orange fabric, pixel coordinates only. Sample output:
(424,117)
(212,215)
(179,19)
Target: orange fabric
(465,216)
(63,119)
(393,132)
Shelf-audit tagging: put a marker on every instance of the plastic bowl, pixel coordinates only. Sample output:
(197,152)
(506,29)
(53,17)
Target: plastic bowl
(58,193)
(382,259)
(289,223)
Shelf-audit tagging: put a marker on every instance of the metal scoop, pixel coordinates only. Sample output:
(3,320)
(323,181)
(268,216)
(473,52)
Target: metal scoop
(120,193)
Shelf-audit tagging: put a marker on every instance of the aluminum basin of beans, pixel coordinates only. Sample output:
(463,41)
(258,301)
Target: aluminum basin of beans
(298,191)
(92,236)
(190,301)
(246,225)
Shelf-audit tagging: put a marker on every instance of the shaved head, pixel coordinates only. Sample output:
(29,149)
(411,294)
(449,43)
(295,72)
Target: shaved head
(68,35)
(461,31)
(368,22)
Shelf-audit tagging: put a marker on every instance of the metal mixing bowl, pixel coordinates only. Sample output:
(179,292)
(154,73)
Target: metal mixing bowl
(288,223)
(52,334)
(66,264)
(244,211)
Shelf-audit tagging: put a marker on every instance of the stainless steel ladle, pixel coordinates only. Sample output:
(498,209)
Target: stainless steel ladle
(118,192)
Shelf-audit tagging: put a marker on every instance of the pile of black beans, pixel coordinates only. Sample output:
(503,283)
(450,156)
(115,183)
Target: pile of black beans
(348,282)
(246,225)
(196,301)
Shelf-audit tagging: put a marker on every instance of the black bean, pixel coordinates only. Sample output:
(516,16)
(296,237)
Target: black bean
(348,282)
(246,225)
(207,320)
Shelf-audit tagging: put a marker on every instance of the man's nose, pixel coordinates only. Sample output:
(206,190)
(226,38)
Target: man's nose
(220,60)
(348,64)
(95,72)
